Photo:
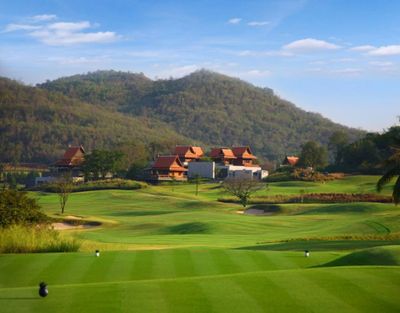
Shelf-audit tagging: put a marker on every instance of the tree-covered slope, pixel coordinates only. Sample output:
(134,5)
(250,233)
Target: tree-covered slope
(206,106)
(37,125)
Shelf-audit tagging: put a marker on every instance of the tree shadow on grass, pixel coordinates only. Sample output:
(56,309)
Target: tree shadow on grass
(140,213)
(322,245)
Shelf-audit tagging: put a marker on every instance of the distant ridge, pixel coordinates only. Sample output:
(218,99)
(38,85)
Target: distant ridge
(206,106)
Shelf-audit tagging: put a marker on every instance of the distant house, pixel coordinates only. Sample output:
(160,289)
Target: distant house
(244,156)
(70,163)
(222,156)
(168,167)
(188,154)
(73,157)
(290,160)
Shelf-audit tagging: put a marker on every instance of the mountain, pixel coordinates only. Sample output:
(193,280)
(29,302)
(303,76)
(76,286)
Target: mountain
(208,107)
(37,125)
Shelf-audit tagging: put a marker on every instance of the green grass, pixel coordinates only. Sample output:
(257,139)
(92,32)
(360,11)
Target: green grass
(173,251)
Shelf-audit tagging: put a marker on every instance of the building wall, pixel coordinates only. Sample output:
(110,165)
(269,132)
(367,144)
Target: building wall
(202,169)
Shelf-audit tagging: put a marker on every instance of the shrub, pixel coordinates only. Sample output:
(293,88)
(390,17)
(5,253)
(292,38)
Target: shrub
(116,183)
(17,208)
(24,239)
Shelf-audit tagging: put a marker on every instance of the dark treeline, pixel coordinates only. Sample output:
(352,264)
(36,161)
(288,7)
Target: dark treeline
(207,107)
(366,155)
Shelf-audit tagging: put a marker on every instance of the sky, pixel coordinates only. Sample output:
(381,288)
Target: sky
(339,58)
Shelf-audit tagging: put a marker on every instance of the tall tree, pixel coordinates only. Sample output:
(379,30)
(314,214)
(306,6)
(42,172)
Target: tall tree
(242,188)
(392,166)
(64,187)
(313,155)
(337,142)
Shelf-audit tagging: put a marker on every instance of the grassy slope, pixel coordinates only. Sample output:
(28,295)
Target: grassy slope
(217,277)
(158,216)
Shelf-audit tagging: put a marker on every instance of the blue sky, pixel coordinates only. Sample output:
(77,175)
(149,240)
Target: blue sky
(338,58)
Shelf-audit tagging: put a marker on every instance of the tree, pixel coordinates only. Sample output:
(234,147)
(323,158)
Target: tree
(392,165)
(242,188)
(101,162)
(313,155)
(337,142)
(64,187)
(17,208)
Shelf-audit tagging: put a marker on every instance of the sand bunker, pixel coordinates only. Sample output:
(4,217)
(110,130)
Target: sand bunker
(67,226)
(256,212)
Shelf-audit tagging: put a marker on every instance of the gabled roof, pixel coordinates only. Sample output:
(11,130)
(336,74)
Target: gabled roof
(225,153)
(243,153)
(73,156)
(189,152)
(168,162)
(291,160)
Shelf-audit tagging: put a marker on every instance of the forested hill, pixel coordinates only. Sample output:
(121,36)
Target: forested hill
(206,106)
(37,125)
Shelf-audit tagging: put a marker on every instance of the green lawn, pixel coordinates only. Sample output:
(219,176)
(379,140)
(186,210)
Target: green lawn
(166,250)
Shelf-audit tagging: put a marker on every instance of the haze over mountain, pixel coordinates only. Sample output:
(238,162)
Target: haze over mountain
(205,106)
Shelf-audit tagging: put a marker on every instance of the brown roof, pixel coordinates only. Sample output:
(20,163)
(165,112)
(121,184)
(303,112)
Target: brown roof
(189,152)
(225,153)
(243,153)
(291,160)
(169,162)
(74,156)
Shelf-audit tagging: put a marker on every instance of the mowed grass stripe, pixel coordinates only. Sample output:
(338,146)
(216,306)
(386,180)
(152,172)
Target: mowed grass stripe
(225,295)
(388,284)
(164,264)
(302,285)
(360,291)
(268,294)
(184,296)
(183,263)
(143,265)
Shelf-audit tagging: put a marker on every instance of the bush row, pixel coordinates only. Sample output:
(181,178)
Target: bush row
(315,198)
(118,183)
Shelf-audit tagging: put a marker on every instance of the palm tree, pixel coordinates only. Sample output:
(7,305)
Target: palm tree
(392,164)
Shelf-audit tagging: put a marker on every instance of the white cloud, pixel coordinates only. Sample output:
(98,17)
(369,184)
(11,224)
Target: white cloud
(43,17)
(381,63)
(245,53)
(235,20)
(258,23)
(69,27)
(363,48)
(61,38)
(62,33)
(348,71)
(386,50)
(310,45)
(16,27)
(257,73)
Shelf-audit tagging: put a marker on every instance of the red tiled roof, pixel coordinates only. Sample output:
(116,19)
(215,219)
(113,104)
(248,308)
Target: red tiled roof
(243,153)
(198,151)
(169,162)
(72,157)
(189,152)
(225,153)
(291,160)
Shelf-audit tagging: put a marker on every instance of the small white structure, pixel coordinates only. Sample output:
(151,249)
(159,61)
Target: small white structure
(209,170)
(44,180)
(253,172)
